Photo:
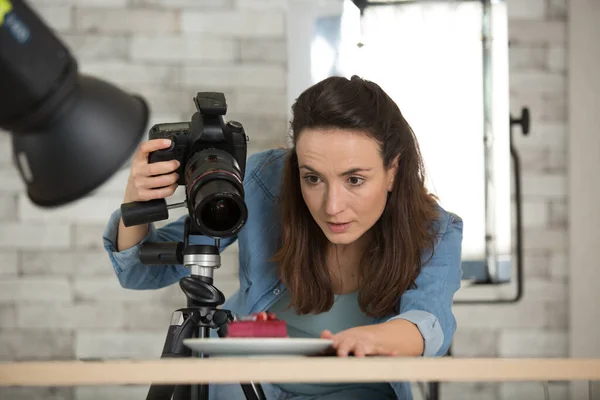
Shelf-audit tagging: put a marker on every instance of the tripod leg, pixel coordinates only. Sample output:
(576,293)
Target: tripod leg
(198,392)
(180,328)
(182,392)
(253,391)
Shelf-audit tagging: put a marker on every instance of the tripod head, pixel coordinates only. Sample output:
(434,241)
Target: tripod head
(203,297)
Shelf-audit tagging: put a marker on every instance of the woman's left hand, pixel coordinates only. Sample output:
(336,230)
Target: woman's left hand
(361,341)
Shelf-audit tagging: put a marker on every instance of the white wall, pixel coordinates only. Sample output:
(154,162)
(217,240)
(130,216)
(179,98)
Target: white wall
(584,186)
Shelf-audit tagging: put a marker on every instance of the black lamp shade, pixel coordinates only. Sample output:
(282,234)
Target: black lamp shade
(96,130)
(70,132)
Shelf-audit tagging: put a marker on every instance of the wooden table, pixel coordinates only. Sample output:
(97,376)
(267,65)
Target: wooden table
(296,369)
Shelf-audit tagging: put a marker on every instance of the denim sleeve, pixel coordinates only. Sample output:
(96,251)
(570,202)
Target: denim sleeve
(429,304)
(132,274)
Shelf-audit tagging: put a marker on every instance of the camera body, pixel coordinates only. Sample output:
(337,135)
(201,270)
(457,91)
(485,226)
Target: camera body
(207,130)
(212,156)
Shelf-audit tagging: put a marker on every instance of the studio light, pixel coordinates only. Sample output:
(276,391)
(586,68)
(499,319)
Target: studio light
(70,132)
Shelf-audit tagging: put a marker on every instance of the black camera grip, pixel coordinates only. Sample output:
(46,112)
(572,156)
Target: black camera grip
(164,253)
(144,212)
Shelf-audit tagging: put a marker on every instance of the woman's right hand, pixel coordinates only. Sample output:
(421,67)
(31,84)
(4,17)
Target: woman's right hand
(148,181)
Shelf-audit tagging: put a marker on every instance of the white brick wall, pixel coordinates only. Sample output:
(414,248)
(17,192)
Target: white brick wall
(538,325)
(261,4)
(246,23)
(532,343)
(8,206)
(11,182)
(32,235)
(557,59)
(548,185)
(61,393)
(35,344)
(533,390)
(72,316)
(119,344)
(58,17)
(538,265)
(59,298)
(92,20)
(532,9)
(175,49)
(528,57)
(10,263)
(186,4)
(68,263)
(98,47)
(77,211)
(85,236)
(557,9)
(5,149)
(101,3)
(111,392)
(36,289)
(525,31)
(247,76)
(269,50)
(558,266)
(125,73)
(537,82)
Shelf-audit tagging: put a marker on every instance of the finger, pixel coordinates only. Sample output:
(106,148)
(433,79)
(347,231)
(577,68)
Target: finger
(345,347)
(326,334)
(158,168)
(155,182)
(153,145)
(161,193)
(360,350)
(141,167)
(150,146)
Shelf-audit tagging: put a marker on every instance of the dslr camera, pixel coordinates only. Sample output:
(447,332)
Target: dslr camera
(212,156)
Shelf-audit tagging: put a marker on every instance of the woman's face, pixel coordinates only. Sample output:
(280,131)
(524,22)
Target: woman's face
(343,180)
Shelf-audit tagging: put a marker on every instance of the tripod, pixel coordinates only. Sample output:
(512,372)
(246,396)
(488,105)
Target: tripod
(201,314)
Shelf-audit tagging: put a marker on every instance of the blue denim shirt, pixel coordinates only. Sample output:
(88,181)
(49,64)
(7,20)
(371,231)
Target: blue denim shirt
(428,305)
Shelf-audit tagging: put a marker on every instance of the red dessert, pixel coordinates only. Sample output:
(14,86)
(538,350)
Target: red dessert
(258,325)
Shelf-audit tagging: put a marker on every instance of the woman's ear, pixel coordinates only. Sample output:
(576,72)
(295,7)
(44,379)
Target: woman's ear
(392,173)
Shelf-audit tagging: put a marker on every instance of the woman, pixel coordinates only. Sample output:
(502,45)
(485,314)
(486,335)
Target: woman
(357,246)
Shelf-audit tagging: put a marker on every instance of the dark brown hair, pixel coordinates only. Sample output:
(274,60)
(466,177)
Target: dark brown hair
(393,259)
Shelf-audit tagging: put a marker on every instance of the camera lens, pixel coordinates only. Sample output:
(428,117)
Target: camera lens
(219,211)
(214,185)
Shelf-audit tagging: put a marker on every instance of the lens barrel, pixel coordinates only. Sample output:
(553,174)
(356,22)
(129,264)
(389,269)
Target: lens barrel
(216,193)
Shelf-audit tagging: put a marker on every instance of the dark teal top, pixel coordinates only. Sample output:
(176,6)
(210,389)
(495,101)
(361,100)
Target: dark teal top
(344,314)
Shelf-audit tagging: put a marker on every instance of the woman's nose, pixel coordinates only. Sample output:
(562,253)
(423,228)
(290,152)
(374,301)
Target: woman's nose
(334,202)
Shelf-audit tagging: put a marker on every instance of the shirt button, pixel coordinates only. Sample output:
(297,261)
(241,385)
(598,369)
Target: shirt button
(276,291)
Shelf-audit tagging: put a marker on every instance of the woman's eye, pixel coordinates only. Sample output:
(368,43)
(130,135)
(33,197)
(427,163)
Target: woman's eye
(355,181)
(312,179)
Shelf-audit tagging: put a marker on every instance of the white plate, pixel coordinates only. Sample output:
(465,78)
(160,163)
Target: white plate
(258,346)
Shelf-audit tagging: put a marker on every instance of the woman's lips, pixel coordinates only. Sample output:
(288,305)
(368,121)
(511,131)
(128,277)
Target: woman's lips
(338,228)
